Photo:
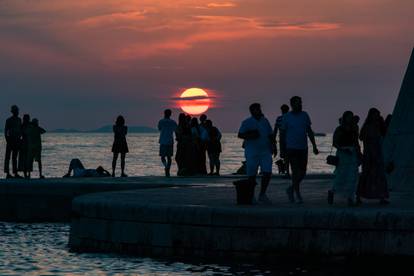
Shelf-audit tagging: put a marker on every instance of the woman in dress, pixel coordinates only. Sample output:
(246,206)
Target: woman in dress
(25,165)
(345,140)
(373,182)
(183,153)
(120,145)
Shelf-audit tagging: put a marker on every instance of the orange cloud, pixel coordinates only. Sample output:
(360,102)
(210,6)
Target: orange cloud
(222,5)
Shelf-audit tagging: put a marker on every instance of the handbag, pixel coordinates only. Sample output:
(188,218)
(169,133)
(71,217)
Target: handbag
(332,160)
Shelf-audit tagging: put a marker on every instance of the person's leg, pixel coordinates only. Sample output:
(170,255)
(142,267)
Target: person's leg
(114,160)
(292,157)
(302,159)
(74,164)
(7,160)
(123,155)
(169,162)
(218,163)
(39,163)
(15,153)
(211,162)
(252,165)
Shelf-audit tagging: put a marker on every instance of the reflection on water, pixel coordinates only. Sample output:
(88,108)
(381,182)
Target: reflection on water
(94,149)
(41,249)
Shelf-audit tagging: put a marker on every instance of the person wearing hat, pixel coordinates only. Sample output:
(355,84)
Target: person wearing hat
(13,134)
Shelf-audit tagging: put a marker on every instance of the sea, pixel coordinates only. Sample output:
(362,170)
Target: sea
(94,149)
(41,248)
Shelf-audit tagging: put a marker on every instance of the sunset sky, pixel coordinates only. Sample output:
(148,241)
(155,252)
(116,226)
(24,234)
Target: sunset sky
(78,64)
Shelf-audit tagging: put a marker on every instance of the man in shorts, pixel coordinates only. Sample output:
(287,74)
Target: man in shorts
(296,126)
(167,127)
(257,134)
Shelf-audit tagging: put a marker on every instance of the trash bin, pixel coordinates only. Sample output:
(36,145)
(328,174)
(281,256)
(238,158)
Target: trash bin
(245,191)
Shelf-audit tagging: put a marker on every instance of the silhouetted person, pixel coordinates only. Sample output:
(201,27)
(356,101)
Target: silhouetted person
(120,145)
(35,145)
(213,147)
(258,148)
(345,140)
(373,182)
(24,163)
(183,157)
(203,143)
(79,170)
(167,127)
(282,140)
(198,166)
(13,134)
(297,127)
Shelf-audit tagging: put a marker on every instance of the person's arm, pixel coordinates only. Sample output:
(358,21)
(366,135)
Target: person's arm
(126,130)
(246,133)
(6,130)
(311,136)
(42,130)
(159,125)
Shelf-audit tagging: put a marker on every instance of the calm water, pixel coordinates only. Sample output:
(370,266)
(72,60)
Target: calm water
(95,150)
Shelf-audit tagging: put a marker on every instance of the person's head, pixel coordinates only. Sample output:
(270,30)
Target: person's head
(203,118)
(120,121)
(14,110)
(26,119)
(100,170)
(356,119)
(374,115)
(194,122)
(188,118)
(208,124)
(284,108)
(347,118)
(256,110)
(35,122)
(296,103)
(182,119)
(167,113)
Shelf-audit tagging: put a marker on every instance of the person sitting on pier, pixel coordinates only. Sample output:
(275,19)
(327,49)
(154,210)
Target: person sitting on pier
(79,170)
(259,145)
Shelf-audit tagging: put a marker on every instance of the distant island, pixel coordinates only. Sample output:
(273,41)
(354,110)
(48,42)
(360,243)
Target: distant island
(106,129)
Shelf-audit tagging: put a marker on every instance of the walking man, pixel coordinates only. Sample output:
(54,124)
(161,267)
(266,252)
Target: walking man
(13,135)
(258,148)
(167,127)
(297,127)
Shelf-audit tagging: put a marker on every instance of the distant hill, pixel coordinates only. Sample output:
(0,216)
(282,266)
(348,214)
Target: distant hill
(107,129)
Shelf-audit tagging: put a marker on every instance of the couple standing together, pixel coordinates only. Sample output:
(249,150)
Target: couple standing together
(260,144)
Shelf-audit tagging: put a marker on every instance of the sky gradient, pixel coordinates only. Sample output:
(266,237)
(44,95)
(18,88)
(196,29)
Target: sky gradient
(78,64)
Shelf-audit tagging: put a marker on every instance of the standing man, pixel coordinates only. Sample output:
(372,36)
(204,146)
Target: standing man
(282,139)
(258,148)
(297,127)
(13,135)
(167,127)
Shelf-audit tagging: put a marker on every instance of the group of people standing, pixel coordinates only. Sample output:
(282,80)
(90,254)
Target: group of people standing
(195,138)
(259,144)
(371,183)
(23,145)
(294,129)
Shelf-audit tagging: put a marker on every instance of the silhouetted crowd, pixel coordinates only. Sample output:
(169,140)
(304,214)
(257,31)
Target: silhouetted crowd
(195,138)
(23,145)
(198,139)
(294,128)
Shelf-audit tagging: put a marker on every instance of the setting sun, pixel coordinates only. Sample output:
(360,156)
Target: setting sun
(194,101)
